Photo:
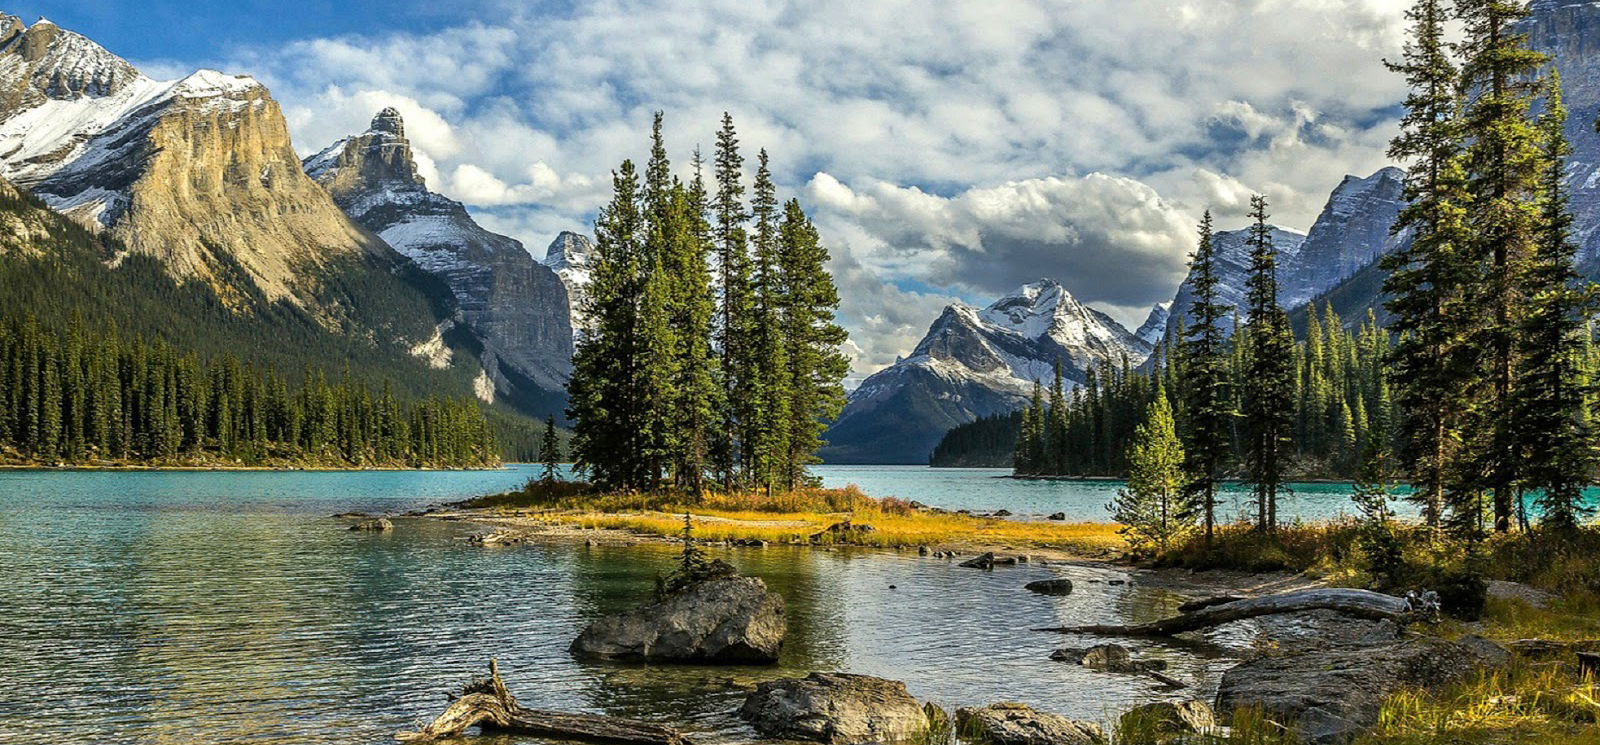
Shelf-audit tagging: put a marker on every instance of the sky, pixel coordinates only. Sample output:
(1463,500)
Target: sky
(947,150)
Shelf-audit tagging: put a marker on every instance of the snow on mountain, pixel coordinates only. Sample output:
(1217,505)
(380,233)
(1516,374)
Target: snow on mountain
(1352,231)
(515,306)
(568,256)
(974,363)
(1154,328)
(197,172)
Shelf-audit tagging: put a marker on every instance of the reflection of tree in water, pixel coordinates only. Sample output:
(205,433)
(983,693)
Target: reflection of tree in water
(612,579)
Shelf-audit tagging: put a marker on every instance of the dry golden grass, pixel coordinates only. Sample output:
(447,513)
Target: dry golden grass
(804,516)
(1544,703)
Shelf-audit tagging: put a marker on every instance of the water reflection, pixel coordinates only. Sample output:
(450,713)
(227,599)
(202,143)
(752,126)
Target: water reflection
(156,610)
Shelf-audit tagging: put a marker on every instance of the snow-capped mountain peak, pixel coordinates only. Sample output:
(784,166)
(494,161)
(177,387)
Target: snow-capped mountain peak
(1154,327)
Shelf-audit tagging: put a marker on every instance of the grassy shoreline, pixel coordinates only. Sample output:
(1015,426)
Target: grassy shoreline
(807,517)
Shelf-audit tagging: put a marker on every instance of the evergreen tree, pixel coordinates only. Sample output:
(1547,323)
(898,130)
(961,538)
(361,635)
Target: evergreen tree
(1268,398)
(699,394)
(1427,276)
(1550,413)
(1499,77)
(766,427)
(1152,508)
(817,367)
(733,329)
(608,421)
(550,452)
(1209,408)
(1057,447)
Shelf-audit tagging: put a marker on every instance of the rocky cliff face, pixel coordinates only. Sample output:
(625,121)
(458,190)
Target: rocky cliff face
(514,305)
(1569,31)
(198,172)
(568,256)
(1233,268)
(1352,232)
(975,363)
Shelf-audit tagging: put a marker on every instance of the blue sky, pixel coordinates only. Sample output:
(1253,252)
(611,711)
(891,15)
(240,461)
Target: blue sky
(947,149)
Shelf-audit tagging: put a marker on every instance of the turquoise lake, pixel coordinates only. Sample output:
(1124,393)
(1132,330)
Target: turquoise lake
(229,607)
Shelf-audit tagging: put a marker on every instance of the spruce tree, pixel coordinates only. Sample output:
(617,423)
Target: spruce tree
(699,401)
(1429,363)
(766,428)
(1499,77)
(734,297)
(608,432)
(1550,412)
(808,301)
(1209,438)
(1057,447)
(1152,508)
(550,452)
(1268,397)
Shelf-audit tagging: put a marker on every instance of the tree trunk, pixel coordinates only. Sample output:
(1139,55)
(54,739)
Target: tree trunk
(488,705)
(1218,611)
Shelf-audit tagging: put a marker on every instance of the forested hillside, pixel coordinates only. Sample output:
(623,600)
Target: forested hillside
(987,442)
(54,271)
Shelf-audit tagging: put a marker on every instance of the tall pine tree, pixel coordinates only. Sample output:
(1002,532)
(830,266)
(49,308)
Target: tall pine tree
(1269,397)
(1210,410)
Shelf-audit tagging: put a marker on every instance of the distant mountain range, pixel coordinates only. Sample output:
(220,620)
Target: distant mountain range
(975,363)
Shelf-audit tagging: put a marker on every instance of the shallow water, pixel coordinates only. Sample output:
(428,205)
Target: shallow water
(228,607)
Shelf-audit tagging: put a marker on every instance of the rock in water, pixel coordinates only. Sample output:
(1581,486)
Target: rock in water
(1017,724)
(379,525)
(1164,720)
(731,620)
(1334,694)
(1050,586)
(835,708)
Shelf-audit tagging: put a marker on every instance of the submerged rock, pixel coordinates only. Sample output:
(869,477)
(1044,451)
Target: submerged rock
(1056,586)
(1334,694)
(1018,724)
(988,561)
(377,525)
(837,708)
(1058,516)
(1166,720)
(728,620)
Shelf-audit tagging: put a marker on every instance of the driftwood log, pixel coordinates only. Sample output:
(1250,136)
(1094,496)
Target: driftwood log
(1217,611)
(487,704)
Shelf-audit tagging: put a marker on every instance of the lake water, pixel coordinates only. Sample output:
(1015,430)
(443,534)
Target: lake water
(230,608)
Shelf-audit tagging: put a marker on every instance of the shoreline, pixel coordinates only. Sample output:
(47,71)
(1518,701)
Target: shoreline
(130,468)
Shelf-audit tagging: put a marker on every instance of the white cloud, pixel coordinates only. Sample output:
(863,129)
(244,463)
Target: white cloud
(938,141)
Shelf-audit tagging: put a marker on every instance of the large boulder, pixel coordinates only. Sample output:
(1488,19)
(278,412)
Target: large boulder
(1018,724)
(1332,694)
(836,708)
(729,620)
(375,525)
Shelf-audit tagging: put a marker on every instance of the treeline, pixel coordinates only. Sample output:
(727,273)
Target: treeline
(986,442)
(710,354)
(1340,399)
(89,396)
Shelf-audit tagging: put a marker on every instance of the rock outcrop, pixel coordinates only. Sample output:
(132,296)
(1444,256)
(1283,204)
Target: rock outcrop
(514,305)
(836,708)
(1333,694)
(726,621)
(200,174)
(1018,724)
(568,256)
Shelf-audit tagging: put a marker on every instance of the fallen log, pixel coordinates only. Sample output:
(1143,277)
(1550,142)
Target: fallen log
(1358,603)
(487,704)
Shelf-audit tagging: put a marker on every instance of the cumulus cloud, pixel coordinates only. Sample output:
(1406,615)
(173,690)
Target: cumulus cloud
(942,144)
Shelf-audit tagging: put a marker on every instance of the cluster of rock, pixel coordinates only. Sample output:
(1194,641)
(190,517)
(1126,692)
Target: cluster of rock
(728,620)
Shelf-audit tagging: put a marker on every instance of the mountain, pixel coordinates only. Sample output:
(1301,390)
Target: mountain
(1350,234)
(515,306)
(1154,328)
(975,363)
(1233,268)
(1569,31)
(568,256)
(179,210)
(197,172)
